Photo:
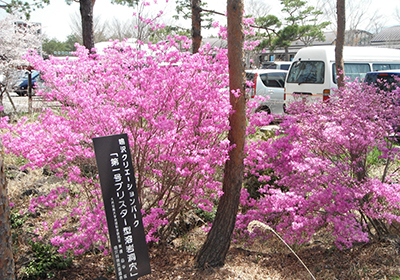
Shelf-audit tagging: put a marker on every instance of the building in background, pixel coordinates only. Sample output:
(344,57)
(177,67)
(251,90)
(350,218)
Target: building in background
(388,38)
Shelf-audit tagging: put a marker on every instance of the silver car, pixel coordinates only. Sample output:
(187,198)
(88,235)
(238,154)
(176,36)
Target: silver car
(268,83)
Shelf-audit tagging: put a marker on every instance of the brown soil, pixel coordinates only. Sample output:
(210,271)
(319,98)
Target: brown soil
(375,260)
(262,260)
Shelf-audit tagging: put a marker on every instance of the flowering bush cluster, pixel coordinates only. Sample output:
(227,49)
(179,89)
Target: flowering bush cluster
(174,107)
(322,176)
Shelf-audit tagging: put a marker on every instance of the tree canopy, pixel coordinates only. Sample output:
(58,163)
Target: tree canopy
(13,6)
(301,23)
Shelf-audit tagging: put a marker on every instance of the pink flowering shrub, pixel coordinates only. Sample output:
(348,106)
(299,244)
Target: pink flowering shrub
(174,107)
(316,174)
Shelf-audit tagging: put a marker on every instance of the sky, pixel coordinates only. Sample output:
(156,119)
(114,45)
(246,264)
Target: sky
(56,17)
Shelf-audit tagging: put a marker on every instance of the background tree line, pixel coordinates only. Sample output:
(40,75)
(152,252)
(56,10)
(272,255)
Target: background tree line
(305,21)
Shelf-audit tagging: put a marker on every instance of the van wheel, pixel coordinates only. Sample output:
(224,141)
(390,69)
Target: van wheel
(263,109)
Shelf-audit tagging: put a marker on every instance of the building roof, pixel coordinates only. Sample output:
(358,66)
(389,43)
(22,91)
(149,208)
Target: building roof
(330,38)
(389,34)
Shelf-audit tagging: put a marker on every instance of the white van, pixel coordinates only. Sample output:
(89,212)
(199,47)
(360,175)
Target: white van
(313,73)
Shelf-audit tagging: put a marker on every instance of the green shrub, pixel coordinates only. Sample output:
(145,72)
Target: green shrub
(16,219)
(44,262)
(206,216)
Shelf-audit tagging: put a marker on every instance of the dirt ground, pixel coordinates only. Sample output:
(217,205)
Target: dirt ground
(265,260)
(375,260)
(271,259)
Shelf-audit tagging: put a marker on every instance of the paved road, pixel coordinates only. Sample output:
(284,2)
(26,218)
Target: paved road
(21,103)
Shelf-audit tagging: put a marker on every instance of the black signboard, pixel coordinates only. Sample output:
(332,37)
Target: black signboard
(121,203)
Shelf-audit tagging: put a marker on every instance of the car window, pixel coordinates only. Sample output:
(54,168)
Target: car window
(311,72)
(352,70)
(273,79)
(385,66)
(249,79)
(285,66)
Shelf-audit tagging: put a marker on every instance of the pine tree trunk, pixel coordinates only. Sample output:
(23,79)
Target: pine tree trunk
(6,253)
(196,26)
(341,28)
(216,246)
(86,9)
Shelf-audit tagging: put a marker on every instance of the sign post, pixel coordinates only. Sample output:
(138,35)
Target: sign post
(121,203)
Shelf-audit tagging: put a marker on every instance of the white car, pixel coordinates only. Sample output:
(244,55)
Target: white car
(268,83)
(282,65)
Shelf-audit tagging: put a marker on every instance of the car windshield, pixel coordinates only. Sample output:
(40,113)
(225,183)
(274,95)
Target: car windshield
(385,81)
(310,72)
(34,73)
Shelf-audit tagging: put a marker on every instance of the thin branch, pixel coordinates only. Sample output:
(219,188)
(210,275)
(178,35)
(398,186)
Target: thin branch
(212,12)
(254,224)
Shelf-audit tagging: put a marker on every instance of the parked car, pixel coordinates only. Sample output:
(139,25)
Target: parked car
(268,83)
(283,65)
(313,73)
(21,86)
(384,79)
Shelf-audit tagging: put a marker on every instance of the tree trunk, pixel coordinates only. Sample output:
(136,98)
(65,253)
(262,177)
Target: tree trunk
(341,28)
(196,26)
(287,53)
(6,253)
(86,9)
(215,248)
